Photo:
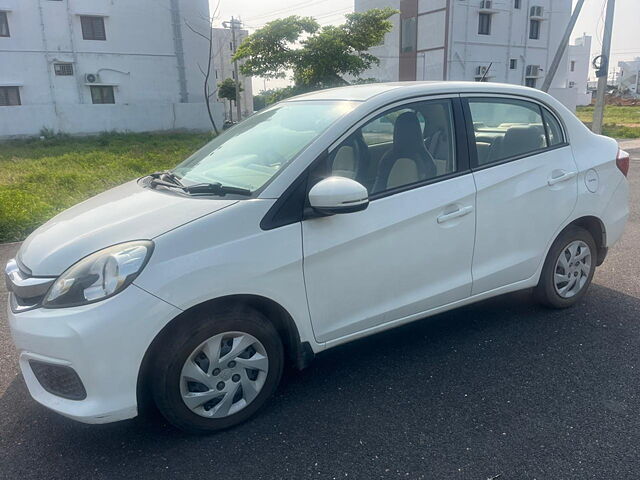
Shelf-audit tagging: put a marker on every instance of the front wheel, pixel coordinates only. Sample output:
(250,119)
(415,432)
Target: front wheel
(216,370)
(568,269)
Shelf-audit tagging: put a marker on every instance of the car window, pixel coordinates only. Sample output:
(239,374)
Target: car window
(554,131)
(402,146)
(252,152)
(506,128)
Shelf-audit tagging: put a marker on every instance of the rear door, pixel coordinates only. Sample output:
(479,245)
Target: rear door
(409,251)
(526,180)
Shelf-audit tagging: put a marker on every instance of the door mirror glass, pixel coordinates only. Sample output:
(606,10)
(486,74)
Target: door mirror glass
(338,195)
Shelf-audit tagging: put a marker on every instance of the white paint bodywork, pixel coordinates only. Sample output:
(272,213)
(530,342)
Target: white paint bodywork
(341,277)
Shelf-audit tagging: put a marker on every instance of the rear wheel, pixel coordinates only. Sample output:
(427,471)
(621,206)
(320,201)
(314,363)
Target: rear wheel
(568,269)
(217,370)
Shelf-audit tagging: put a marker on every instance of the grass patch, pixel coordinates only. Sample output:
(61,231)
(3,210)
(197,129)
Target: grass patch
(619,121)
(40,178)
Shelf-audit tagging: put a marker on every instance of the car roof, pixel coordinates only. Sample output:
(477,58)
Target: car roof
(407,89)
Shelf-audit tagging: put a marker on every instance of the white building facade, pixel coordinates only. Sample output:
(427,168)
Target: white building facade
(223,69)
(510,41)
(629,77)
(87,66)
(578,69)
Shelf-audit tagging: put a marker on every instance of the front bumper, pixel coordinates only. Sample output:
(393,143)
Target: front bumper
(103,342)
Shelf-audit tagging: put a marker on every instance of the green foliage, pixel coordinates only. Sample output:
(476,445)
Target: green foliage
(40,178)
(318,56)
(227,89)
(619,121)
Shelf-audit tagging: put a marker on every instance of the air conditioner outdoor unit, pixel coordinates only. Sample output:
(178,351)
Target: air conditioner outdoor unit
(537,11)
(92,78)
(533,70)
(486,5)
(481,70)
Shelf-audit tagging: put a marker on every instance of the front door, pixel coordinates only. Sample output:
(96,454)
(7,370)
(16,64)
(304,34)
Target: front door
(411,249)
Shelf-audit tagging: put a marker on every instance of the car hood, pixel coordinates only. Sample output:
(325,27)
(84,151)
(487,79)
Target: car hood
(128,212)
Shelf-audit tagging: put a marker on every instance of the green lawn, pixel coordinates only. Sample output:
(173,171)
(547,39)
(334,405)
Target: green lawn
(619,122)
(39,178)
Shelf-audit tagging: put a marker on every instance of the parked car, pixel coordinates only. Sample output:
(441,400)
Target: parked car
(308,225)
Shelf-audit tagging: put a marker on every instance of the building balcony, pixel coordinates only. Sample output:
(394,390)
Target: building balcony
(486,6)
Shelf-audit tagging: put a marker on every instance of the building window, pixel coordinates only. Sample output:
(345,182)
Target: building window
(534,29)
(63,69)
(516,4)
(408,35)
(484,24)
(93,28)
(573,65)
(9,96)
(513,63)
(572,84)
(102,94)
(530,82)
(231,46)
(4,25)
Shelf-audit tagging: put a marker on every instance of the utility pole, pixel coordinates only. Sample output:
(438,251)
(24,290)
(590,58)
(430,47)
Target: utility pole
(233,24)
(603,71)
(562,47)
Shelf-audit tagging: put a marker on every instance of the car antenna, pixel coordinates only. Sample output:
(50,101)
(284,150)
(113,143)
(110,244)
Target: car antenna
(484,75)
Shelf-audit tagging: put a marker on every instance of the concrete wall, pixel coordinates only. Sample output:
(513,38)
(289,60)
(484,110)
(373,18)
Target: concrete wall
(149,56)
(509,39)
(86,119)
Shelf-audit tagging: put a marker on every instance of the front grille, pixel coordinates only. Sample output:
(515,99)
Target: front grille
(27,291)
(59,380)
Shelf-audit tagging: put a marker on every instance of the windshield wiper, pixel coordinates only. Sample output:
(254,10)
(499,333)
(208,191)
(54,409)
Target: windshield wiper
(166,178)
(171,180)
(216,188)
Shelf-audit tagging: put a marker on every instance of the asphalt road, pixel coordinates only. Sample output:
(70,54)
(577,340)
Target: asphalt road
(503,389)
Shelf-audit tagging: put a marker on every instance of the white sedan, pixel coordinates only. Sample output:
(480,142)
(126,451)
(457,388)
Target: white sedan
(322,219)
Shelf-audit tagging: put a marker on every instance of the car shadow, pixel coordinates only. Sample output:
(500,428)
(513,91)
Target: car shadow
(496,377)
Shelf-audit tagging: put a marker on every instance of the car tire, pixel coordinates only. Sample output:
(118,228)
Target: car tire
(169,384)
(552,290)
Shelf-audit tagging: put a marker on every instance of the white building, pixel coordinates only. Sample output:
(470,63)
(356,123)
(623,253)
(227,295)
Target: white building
(86,66)
(223,69)
(629,77)
(511,41)
(578,69)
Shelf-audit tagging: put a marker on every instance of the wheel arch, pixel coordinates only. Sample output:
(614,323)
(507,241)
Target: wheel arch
(598,231)
(298,354)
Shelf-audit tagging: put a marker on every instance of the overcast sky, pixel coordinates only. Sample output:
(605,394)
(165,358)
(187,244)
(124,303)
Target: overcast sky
(255,13)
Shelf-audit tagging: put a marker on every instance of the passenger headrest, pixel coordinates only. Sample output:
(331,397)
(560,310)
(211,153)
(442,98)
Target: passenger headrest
(519,140)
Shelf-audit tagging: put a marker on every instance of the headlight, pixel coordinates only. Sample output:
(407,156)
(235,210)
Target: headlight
(100,275)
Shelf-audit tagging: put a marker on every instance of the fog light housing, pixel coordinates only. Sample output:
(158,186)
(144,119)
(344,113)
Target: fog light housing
(59,380)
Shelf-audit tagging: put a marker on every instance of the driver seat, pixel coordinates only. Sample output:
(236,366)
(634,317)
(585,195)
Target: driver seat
(408,161)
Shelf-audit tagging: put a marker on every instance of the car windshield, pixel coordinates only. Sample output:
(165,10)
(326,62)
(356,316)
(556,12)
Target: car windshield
(249,154)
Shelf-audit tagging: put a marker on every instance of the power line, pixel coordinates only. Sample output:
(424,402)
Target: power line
(279,11)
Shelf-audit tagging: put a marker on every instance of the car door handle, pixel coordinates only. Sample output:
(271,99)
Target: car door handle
(561,178)
(461,212)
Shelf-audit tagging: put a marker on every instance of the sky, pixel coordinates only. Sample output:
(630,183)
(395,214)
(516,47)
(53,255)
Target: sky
(255,13)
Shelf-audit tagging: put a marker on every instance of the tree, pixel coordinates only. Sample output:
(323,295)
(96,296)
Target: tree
(227,90)
(206,72)
(319,57)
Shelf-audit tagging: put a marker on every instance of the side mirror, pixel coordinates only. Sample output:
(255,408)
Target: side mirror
(338,195)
